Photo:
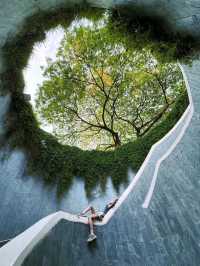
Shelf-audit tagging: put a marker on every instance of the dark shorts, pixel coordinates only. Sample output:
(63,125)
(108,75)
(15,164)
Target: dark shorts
(98,217)
(106,210)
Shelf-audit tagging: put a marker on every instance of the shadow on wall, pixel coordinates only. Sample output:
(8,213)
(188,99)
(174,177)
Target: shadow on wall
(159,30)
(56,163)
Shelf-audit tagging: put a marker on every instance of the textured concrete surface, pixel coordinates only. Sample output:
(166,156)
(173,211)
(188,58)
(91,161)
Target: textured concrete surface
(167,233)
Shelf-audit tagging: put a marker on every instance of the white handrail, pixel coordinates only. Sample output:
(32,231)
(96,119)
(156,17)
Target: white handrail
(17,249)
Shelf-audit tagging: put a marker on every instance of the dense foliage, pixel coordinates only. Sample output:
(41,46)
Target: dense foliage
(58,163)
(49,159)
(104,89)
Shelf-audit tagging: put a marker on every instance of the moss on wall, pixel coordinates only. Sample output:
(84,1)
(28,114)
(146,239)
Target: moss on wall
(59,163)
(47,158)
(171,45)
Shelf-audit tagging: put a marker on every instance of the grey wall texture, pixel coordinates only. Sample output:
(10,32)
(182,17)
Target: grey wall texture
(166,233)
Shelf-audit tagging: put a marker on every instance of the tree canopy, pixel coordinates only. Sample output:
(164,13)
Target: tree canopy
(102,90)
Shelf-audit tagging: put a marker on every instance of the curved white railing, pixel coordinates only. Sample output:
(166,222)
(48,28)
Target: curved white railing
(184,121)
(17,249)
(189,113)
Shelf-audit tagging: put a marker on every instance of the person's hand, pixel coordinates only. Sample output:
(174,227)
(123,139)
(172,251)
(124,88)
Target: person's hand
(79,214)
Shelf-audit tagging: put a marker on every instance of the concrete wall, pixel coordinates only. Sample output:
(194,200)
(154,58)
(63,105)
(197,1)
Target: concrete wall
(181,16)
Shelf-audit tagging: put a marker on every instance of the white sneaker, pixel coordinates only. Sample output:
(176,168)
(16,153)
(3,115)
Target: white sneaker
(91,237)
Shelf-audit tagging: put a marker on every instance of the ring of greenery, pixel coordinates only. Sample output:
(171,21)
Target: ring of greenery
(60,163)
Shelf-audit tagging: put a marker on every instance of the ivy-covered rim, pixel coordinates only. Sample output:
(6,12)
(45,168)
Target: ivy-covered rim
(22,126)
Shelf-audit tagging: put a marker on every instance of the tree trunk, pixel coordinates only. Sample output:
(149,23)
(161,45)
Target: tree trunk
(116,139)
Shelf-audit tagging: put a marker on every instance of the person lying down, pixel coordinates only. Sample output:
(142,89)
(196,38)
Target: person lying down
(96,216)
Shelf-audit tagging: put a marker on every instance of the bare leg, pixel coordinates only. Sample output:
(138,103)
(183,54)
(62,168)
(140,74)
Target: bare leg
(90,208)
(90,222)
(92,235)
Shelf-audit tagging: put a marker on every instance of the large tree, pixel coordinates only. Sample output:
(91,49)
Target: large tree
(102,91)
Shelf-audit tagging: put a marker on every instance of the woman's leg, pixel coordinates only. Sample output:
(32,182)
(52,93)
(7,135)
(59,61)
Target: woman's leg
(90,222)
(90,208)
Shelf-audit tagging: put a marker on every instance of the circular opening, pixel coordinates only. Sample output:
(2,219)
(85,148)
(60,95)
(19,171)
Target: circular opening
(99,89)
(60,163)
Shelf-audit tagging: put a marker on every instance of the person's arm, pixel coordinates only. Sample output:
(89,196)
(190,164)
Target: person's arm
(112,203)
(86,210)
